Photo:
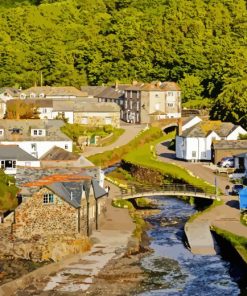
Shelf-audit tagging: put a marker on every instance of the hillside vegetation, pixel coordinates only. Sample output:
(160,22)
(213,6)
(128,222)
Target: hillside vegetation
(199,43)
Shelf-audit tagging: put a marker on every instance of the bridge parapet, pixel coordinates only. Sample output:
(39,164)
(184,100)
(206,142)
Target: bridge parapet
(168,189)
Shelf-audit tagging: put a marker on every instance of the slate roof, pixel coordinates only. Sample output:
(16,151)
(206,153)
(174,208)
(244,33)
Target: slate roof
(156,86)
(60,106)
(93,90)
(15,152)
(72,197)
(111,93)
(96,107)
(204,128)
(57,153)
(14,92)
(41,103)
(52,128)
(230,144)
(66,183)
(55,91)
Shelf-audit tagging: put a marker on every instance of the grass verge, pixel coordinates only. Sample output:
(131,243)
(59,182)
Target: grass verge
(145,156)
(109,158)
(238,242)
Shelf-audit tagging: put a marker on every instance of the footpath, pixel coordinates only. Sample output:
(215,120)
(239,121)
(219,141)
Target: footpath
(75,275)
(131,131)
(225,216)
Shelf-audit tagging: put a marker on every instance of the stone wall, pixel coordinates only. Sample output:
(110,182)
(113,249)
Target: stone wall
(146,175)
(219,154)
(33,217)
(97,119)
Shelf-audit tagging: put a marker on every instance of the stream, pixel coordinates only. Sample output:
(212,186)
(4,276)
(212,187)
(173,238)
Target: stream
(173,270)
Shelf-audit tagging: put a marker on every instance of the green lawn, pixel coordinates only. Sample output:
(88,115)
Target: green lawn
(111,157)
(145,156)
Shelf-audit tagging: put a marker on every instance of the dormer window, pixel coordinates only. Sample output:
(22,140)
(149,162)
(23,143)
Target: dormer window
(38,132)
(32,95)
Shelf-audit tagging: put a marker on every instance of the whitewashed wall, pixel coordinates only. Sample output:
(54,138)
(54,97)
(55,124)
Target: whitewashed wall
(42,146)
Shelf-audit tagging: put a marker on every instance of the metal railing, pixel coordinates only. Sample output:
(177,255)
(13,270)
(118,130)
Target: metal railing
(175,188)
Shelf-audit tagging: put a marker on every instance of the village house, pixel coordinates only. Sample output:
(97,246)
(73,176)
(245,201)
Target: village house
(228,148)
(52,92)
(58,157)
(62,204)
(9,93)
(97,114)
(35,136)
(146,102)
(194,143)
(12,156)
(57,211)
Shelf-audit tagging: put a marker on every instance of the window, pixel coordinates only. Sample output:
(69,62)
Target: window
(108,120)
(84,120)
(40,133)
(193,153)
(35,132)
(156,95)
(34,146)
(44,110)
(138,105)
(2,164)
(66,146)
(170,93)
(170,104)
(48,198)
(1,132)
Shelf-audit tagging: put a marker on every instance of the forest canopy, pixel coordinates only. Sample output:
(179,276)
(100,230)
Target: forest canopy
(199,43)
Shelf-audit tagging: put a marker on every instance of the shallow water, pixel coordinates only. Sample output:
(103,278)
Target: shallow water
(172,269)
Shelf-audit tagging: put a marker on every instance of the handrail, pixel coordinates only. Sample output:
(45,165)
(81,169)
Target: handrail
(180,188)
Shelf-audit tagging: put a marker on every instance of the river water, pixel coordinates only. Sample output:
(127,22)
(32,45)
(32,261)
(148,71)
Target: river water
(172,269)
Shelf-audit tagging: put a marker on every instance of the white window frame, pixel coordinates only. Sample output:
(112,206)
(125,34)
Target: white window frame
(48,198)
(84,120)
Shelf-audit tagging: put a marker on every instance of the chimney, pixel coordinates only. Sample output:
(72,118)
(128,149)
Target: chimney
(71,195)
(180,124)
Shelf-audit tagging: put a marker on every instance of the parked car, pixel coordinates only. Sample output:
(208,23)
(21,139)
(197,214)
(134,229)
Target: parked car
(227,162)
(236,188)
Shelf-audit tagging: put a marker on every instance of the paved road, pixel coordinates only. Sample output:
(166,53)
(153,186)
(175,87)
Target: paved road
(226,216)
(198,169)
(131,130)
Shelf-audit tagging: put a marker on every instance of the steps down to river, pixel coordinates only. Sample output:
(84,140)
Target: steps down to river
(200,238)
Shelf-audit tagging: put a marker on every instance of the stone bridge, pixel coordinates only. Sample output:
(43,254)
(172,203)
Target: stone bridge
(133,192)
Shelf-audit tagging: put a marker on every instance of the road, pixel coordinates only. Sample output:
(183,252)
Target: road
(131,131)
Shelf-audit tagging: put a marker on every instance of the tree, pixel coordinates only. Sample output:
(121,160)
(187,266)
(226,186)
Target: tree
(19,109)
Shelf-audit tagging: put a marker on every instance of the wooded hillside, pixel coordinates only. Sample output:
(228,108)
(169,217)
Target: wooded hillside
(199,43)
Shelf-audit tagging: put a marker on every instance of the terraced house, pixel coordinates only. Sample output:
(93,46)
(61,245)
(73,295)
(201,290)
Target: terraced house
(146,102)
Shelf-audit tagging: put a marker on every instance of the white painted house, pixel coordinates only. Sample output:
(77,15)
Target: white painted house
(12,156)
(190,121)
(194,144)
(35,136)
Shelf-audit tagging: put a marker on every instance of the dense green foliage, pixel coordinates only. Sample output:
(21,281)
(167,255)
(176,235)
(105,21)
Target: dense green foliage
(8,191)
(199,43)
